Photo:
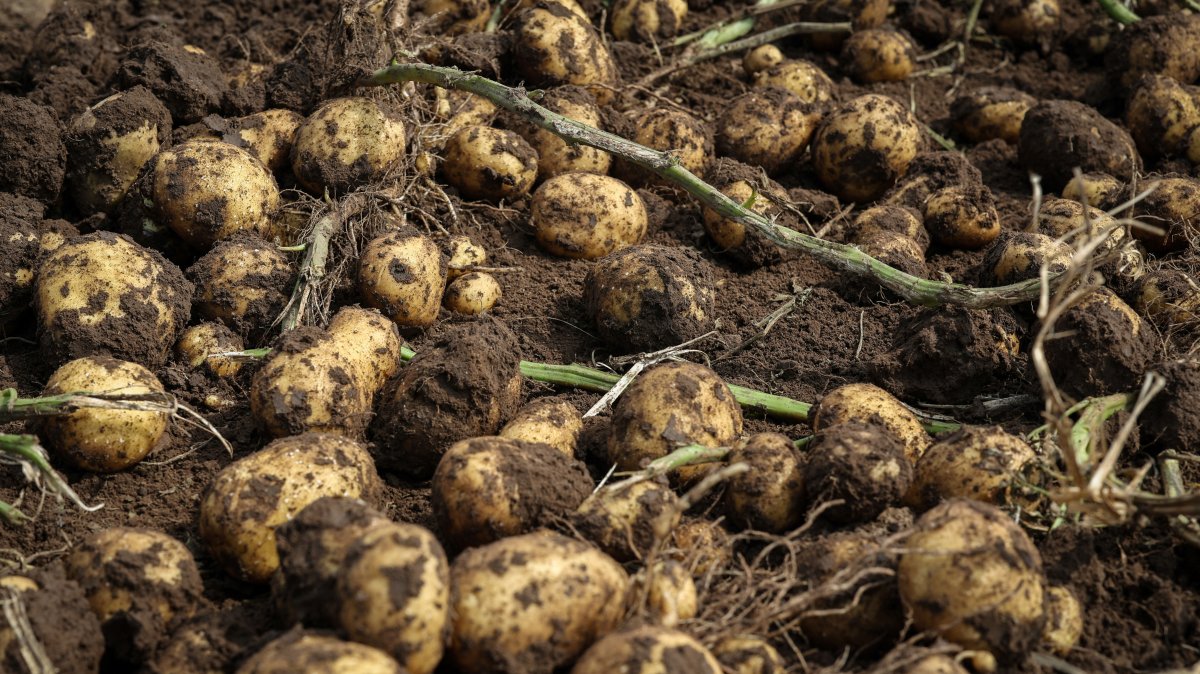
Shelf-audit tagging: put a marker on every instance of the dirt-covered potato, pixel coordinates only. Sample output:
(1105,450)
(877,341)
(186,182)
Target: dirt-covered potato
(760,58)
(463,385)
(878,55)
(394,594)
(554,46)
(102,294)
(206,191)
(962,217)
(861,148)
(1072,221)
(971,574)
(647,650)
(31,142)
(454,17)
(685,137)
(1104,349)
(1064,620)
(572,5)
(346,143)
(748,654)
(583,215)
(461,109)
(1160,114)
(626,521)
(318,654)
(140,583)
(1168,297)
(770,496)
(670,405)
(1058,137)
(804,80)
(861,14)
(555,155)
(487,488)
(869,404)
(403,273)
(893,218)
(487,163)
(767,127)
(666,593)
(1020,256)
(473,293)
(980,463)
(59,618)
(893,249)
(243,282)
(461,255)
(1027,21)
(326,380)
(1156,45)
(104,440)
(647,20)
(1098,190)
(547,421)
(649,297)
(198,343)
(936,664)
(531,603)
(1174,208)
(268,135)
(702,545)
(987,113)
(745,244)
(249,498)
(859,464)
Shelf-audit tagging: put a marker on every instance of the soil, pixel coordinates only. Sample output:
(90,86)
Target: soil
(203,64)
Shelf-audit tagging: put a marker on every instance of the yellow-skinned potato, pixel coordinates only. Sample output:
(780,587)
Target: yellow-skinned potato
(861,148)
(769,127)
(770,496)
(243,282)
(859,464)
(647,650)
(1027,21)
(268,135)
(746,654)
(139,582)
(894,218)
(249,498)
(647,20)
(551,422)
(962,217)
(760,58)
(487,163)
(197,344)
(473,293)
(987,113)
(206,191)
(804,80)
(1020,256)
(461,109)
(936,664)
(103,440)
(104,294)
(455,17)
(394,594)
(1076,224)
(1098,190)
(867,403)
(861,14)
(496,629)
(702,545)
(318,654)
(571,5)
(586,216)
(555,45)
(403,273)
(893,248)
(345,143)
(674,131)
(968,568)
(1105,346)
(878,55)
(462,253)
(980,463)
(1174,208)
(1161,114)
(666,591)
(743,243)
(626,521)
(1155,46)
(555,155)
(1167,297)
(1064,620)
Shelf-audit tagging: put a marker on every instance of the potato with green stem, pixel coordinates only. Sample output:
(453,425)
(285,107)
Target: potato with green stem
(879,55)
(627,521)
(686,138)
(894,249)
(987,113)
(860,465)
(403,274)
(347,143)
(472,294)
(746,244)
(244,282)
(863,147)
(770,128)
(487,163)
(981,463)
(861,14)
(547,421)
(198,343)
(647,650)
(647,20)
(771,495)
(318,654)
(557,156)
(586,216)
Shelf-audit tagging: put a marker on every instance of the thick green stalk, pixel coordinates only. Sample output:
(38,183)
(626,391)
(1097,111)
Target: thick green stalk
(1119,12)
(838,256)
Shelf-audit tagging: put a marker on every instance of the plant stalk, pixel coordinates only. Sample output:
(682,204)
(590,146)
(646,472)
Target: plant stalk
(1119,12)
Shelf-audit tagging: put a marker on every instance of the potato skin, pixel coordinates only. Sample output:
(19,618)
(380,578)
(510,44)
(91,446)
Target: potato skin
(878,55)
(487,163)
(987,113)
(686,138)
(771,496)
(859,464)
(802,79)
(668,593)
(556,46)
(472,294)
(1098,190)
(531,603)
(249,498)
(345,143)
(647,20)
(547,421)
(198,342)
(586,216)
(403,273)
(243,282)
(318,654)
(555,155)
(461,253)
(745,654)
(768,127)
(268,135)
(962,217)
(626,522)
(976,463)
(457,16)
(861,148)
(867,403)
(1058,136)
(1174,207)
(647,650)
(1064,620)
(1020,256)
(760,58)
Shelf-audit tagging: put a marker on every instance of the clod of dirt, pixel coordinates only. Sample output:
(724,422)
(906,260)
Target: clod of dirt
(214,640)
(1156,45)
(188,81)
(1104,349)
(18,261)
(297,83)
(61,621)
(1059,136)
(1172,418)
(860,465)
(63,89)
(76,33)
(931,172)
(31,144)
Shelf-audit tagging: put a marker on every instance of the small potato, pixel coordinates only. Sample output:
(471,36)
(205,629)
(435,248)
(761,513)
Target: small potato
(859,464)
(969,568)
(878,55)
(268,135)
(394,594)
(861,14)
(197,344)
(869,404)
(104,440)
(586,216)
(317,654)
(555,155)
(804,80)
(1075,223)
(1058,137)
(894,249)
(745,244)
(667,591)
(140,583)
(1168,297)
(206,191)
(894,218)
(547,421)
(1098,190)
(572,5)
(962,217)
(647,20)
(628,521)
(1064,620)
(461,254)
(702,545)
(770,128)
(1027,21)
(687,139)
(1104,348)
(454,17)
(498,628)
(1174,208)
(1021,256)
(1161,114)
(977,463)
(243,282)
(487,163)
(861,148)
(554,45)
(347,143)
(771,495)
(249,498)
(647,650)
(403,273)
(745,654)
(487,488)
(648,297)
(760,58)
(988,113)
(472,294)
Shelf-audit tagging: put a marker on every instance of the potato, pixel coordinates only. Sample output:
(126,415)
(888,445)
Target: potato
(555,155)
(804,80)
(197,344)
(531,603)
(981,463)
(647,20)
(741,242)
(861,148)
(936,664)
(461,109)
(104,440)
(770,496)
(746,654)
(861,14)
(670,405)
(1172,207)
(347,143)
(140,584)
(893,249)
(268,135)
(33,169)
(1168,297)
(869,404)
(1171,413)
(547,421)
(647,650)
(403,273)
(1064,620)
(1099,190)
(586,216)
(487,163)
(571,5)
(1058,137)
(455,17)
(859,464)
(687,139)
(701,545)
(249,498)
(109,143)
(760,58)
(667,591)
(931,172)
(1021,256)
(972,575)
(962,217)
(1156,45)
(103,294)
(1104,347)
(628,521)
(59,619)
(461,254)
(1160,114)
(1027,21)
(878,55)
(326,380)
(987,113)
(394,594)
(1072,221)
(487,488)
(206,191)
(648,297)
(471,294)
(243,282)
(893,218)
(770,128)
(317,654)
(554,46)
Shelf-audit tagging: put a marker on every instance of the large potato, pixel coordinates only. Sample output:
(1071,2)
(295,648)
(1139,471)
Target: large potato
(318,654)
(986,113)
(403,273)
(628,521)
(980,463)
(249,498)
(244,282)
(859,464)
(771,495)
(861,148)
(1058,137)
(347,143)
(583,215)
(555,45)
(557,156)
(869,404)
(647,650)
(804,80)
(878,55)
(1105,346)
(1156,45)
(687,139)
(769,127)
(268,135)
(487,163)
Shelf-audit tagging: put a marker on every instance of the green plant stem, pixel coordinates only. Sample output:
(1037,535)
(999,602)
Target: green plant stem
(731,29)
(12,514)
(25,449)
(841,257)
(1090,421)
(1119,12)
